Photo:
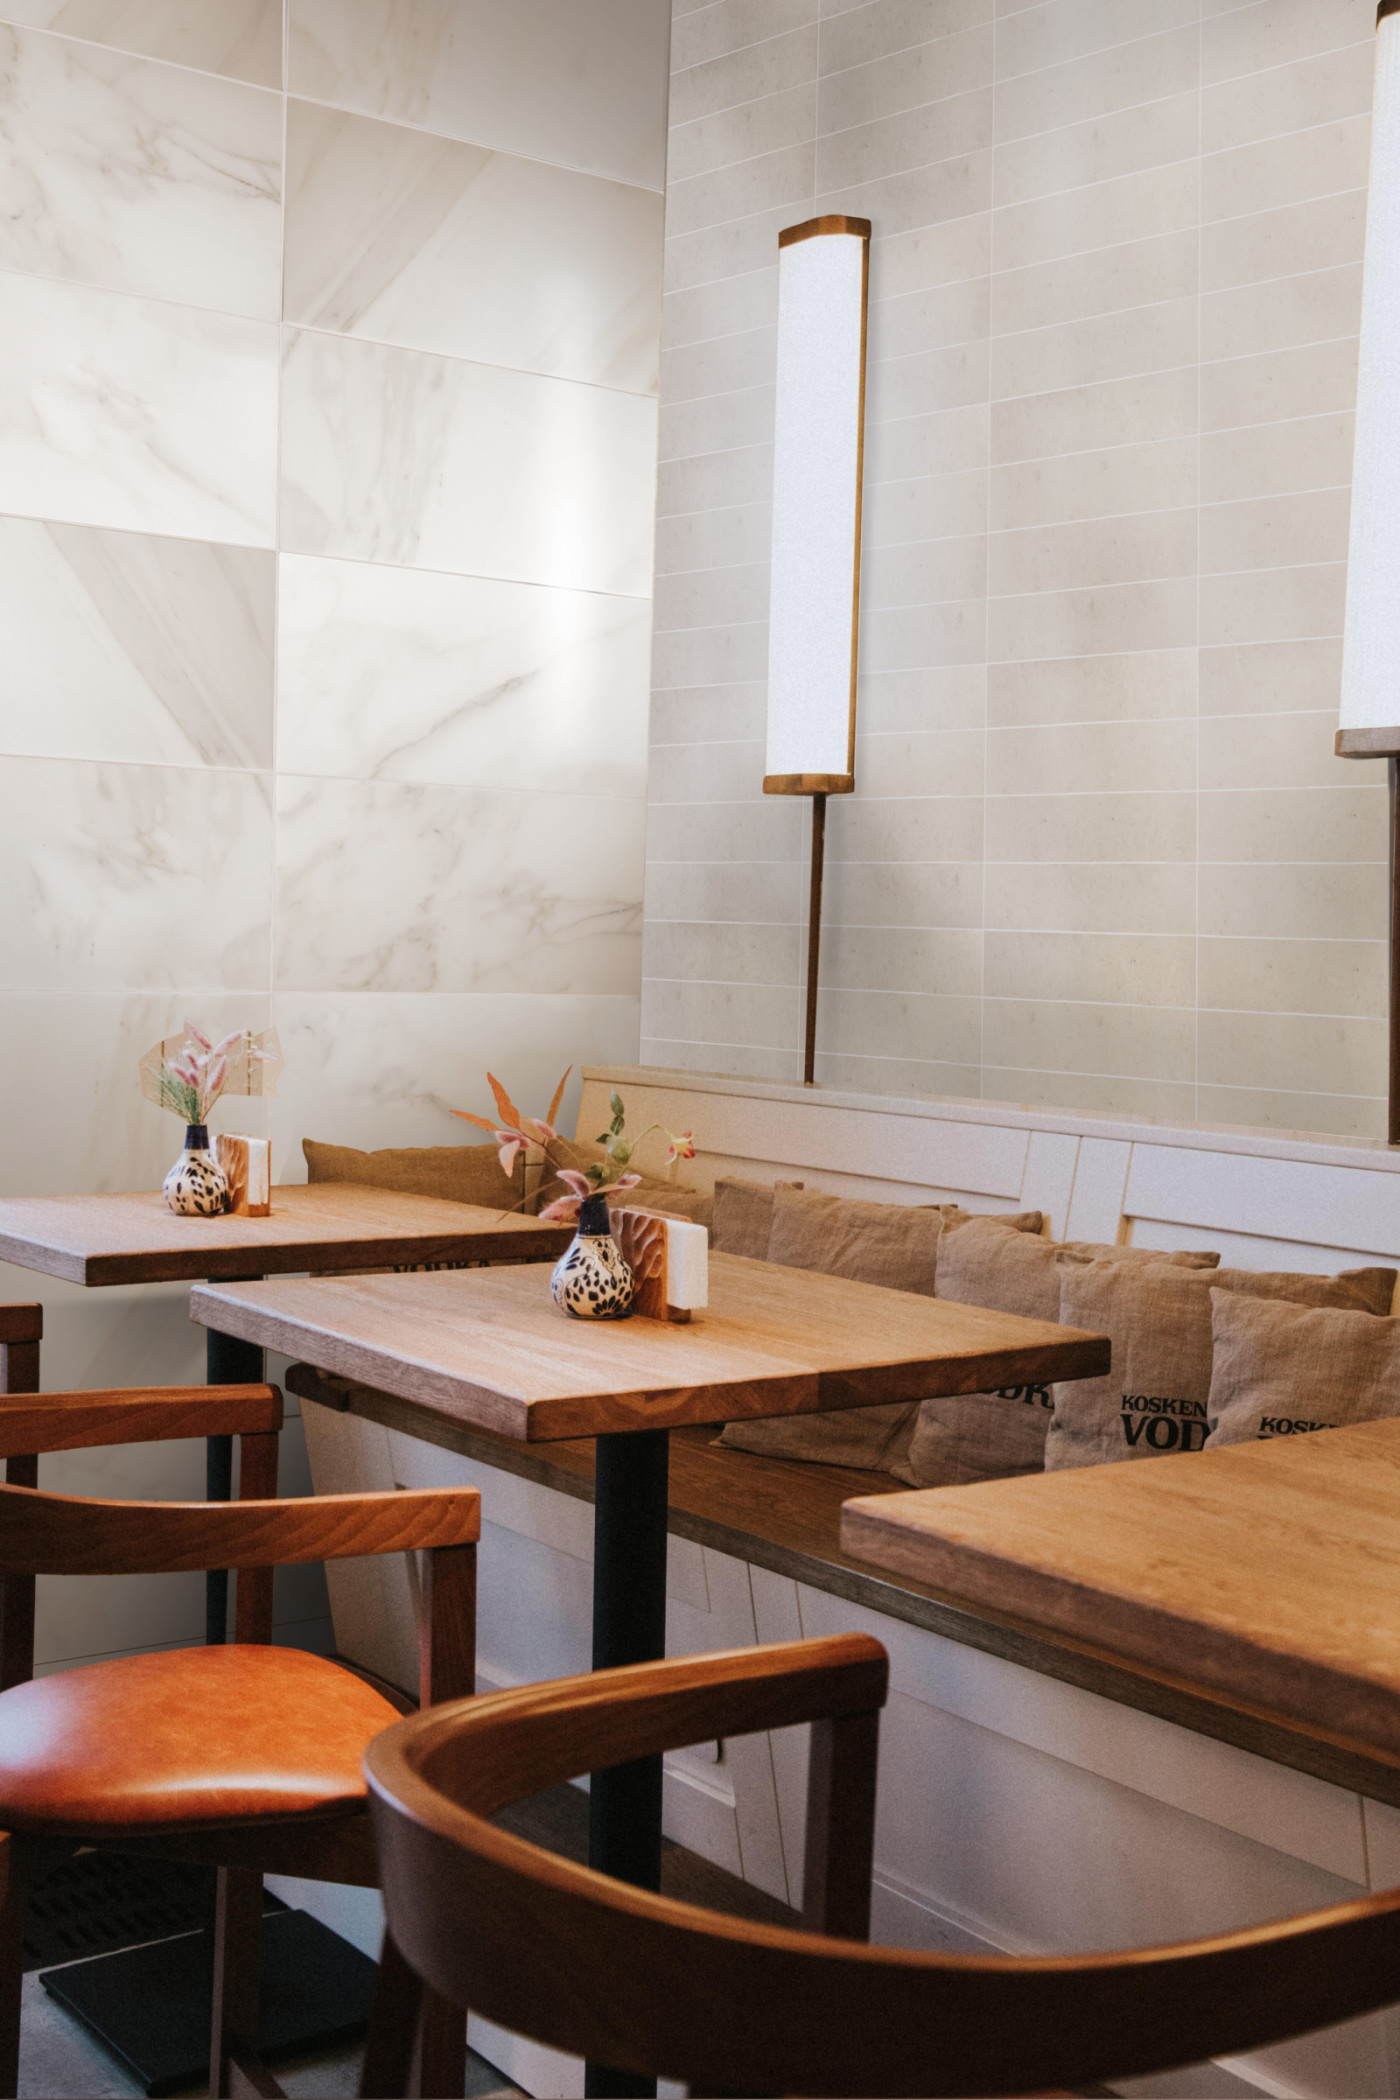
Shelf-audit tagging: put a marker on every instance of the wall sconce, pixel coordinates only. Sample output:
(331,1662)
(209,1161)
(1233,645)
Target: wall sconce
(814,604)
(1370,711)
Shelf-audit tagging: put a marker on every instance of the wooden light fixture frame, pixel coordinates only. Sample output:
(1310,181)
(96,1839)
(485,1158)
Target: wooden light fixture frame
(820,785)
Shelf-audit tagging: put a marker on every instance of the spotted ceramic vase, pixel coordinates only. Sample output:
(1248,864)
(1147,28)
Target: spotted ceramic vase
(197,1186)
(591,1279)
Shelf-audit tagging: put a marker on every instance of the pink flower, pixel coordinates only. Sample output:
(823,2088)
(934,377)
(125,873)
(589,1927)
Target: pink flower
(540,1131)
(564,1209)
(682,1146)
(199,1036)
(510,1142)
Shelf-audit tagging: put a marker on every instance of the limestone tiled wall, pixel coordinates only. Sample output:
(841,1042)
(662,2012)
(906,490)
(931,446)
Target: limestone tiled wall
(1100,854)
(327,460)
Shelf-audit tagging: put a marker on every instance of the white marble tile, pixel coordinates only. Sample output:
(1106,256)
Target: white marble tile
(402,237)
(133,877)
(125,647)
(72,1118)
(578,82)
(409,674)
(122,411)
(140,177)
(394,456)
(239,38)
(391,888)
(374,1069)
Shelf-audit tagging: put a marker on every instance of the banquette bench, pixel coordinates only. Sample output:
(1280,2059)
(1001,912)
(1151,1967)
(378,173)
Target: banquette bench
(1035,1794)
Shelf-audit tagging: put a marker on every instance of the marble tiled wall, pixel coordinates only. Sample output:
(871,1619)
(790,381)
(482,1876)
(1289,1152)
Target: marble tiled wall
(328,371)
(1100,853)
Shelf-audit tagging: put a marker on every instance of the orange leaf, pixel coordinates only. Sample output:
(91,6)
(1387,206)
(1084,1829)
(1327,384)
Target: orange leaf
(558,1097)
(510,1114)
(480,1121)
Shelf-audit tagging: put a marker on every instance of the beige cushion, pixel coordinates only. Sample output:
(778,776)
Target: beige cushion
(675,1199)
(954,1215)
(1158,1318)
(457,1173)
(962,1437)
(743,1216)
(1285,1370)
(895,1244)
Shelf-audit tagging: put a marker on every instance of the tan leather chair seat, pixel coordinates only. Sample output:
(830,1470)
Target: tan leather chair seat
(191,1736)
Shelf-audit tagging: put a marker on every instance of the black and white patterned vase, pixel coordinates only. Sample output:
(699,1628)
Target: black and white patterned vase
(197,1186)
(592,1279)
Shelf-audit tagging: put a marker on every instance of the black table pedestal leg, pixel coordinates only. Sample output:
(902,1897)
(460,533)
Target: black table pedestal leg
(228,1362)
(629,1626)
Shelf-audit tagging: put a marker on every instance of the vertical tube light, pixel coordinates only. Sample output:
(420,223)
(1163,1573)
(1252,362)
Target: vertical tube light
(814,604)
(1370,705)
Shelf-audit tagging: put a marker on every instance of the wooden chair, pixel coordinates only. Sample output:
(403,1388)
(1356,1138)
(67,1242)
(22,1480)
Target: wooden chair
(247,1756)
(21,1331)
(656,1987)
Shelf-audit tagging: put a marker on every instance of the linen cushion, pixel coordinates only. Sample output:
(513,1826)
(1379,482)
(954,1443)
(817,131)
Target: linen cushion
(1158,1317)
(184,1737)
(895,1244)
(1285,1370)
(963,1437)
(743,1216)
(456,1173)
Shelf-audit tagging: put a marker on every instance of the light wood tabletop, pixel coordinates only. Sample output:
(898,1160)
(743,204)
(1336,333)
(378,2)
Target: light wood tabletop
(1267,1573)
(489,1346)
(98,1240)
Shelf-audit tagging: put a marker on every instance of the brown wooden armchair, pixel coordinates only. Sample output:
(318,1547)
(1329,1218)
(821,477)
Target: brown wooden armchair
(245,1756)
(656,1987)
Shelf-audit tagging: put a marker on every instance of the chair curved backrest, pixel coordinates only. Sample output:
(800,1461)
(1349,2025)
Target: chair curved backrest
(653,1986)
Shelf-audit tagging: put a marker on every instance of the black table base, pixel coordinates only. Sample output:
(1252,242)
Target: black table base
(227,1362)
(629,1626)
(152,2006)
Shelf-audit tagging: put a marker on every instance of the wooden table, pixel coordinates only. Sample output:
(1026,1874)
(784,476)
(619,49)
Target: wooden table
(488,1348)
(1266,1575)
(135,1238)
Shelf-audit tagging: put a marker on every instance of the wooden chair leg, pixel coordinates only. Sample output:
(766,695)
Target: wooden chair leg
(393,2027)
(235,2067)
(442,2050)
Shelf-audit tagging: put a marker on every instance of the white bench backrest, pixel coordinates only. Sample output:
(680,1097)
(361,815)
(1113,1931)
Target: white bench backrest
(1265,1199)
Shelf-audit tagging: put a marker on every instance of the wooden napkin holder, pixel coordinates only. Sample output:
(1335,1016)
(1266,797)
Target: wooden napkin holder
(668,1258)
(247,1165)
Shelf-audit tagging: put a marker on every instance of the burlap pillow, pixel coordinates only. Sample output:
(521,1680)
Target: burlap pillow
(954,1215)
(1158,1318)
(962,1437)
(743,1216)
(456,1173)
(673,1198)
(895,1244)
(1283,1370)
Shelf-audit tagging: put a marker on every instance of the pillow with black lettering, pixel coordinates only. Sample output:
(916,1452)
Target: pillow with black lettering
(1285,1370)
(1154,1398)
(962,1437)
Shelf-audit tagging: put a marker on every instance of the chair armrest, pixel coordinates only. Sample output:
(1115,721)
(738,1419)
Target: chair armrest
(493,1751)
(142,1415)
(43,1534)
(21,1323)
